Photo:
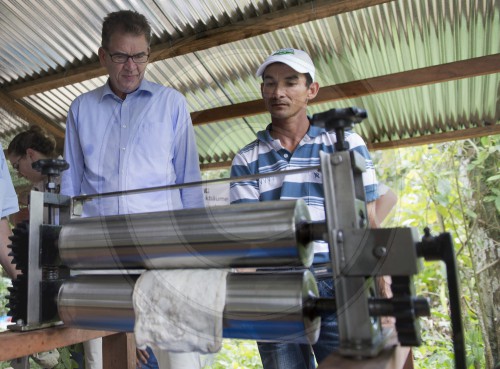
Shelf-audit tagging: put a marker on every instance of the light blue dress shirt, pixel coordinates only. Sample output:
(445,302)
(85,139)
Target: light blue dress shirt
(146,140)
(8,197)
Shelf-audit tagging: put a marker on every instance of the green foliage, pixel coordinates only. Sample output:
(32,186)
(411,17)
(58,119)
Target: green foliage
(435,190)
(4,284)
(237,354)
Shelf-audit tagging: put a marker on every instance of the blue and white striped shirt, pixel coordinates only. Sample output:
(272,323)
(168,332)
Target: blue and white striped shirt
(266,155)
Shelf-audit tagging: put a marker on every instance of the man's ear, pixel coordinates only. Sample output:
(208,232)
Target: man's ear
(102,56)
(313,90)
(31,154)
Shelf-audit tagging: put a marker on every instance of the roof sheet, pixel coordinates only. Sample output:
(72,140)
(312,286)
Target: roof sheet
(42,38)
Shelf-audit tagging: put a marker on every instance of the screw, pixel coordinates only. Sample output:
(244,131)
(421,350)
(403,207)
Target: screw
(340,237)
(336,159)
(380,251)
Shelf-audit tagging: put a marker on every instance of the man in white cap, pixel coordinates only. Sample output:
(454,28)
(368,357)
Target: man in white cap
(290,142)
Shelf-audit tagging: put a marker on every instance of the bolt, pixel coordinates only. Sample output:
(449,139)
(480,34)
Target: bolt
(380,251)
(336,159)
(340,237)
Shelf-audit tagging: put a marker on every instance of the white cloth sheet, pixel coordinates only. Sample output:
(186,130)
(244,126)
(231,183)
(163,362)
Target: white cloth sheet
(180,310)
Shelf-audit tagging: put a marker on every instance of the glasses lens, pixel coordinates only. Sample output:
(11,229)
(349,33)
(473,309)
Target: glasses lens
(16,164)
(140,58)
(119,58)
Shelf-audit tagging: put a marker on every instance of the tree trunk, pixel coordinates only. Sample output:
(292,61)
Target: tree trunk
(485,250)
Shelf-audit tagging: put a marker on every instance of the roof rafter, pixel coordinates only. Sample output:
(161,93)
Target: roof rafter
(463,134)
(408,79)
(16,108)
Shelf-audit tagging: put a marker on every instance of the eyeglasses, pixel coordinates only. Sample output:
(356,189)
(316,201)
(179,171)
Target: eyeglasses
(123,58)
(16,164)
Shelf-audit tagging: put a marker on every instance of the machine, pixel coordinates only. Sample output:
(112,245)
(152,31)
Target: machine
(81,272)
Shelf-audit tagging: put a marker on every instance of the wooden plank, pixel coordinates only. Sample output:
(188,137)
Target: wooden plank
(19,344)
(461,134)
(118,351)
(30,116)
(394,357)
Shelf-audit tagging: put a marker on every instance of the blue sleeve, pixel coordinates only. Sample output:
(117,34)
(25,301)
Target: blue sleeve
(71,179)
(370,182)
(8,198)
(243,191)
(186,163)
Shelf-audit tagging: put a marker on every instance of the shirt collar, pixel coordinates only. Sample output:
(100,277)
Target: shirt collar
(312,132)
(144,86)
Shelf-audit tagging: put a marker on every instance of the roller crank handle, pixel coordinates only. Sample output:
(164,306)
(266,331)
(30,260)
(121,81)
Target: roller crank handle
(441,248)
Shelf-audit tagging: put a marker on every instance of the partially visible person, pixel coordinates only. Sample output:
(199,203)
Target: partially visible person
(8,205)
(383,206)
(25,149)
(131,134)
(385,203)
(291,142)
(28,147)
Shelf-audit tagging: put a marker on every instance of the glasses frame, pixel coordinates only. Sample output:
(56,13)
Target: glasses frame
(15,166)
(141,55)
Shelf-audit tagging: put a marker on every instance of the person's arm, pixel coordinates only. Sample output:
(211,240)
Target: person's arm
(357,144)
(385,203)
(8,205)
(5,259)
(71,179)
(186,162)
(243,191)
(372,214)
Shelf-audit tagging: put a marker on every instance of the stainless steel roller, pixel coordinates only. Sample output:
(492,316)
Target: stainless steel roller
(253,234)
(262,307)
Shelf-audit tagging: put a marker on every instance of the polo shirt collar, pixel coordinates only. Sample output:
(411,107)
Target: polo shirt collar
(312,132)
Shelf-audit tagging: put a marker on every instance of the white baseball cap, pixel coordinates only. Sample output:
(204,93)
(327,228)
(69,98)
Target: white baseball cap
(298,60)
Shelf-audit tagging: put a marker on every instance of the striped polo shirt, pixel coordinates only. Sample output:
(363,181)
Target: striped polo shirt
(266,155)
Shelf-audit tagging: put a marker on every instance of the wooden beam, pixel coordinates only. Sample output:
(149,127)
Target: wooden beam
(462,134)
(429,139)
(412,78)
(255,26)
(390,358)
(15,108)
(19,344)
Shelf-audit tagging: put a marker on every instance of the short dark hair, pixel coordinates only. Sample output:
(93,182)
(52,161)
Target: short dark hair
(309,79)
(126,21)
(35,138)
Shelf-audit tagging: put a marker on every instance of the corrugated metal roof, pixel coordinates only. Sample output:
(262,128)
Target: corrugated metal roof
(42,38)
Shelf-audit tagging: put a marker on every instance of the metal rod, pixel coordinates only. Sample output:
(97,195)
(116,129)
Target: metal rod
(258,306)
(252,234)
(191,184)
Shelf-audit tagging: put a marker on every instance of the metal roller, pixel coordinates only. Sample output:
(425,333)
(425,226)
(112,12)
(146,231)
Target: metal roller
(258,306)
(252,234)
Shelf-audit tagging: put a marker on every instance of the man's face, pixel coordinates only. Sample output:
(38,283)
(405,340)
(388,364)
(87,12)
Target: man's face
(285,92)
(124,77)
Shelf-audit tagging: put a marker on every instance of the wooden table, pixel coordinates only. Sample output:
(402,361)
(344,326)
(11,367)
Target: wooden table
(391,357)
(118,348)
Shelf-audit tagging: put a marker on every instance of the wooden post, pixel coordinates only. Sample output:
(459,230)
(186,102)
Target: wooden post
(118,351)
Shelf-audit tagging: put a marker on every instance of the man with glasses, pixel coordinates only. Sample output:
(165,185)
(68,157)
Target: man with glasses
(131,134)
